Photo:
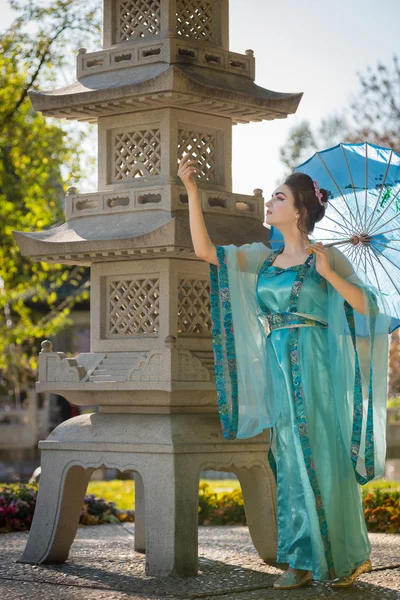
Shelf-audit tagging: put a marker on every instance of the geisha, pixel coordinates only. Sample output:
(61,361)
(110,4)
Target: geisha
(301,348)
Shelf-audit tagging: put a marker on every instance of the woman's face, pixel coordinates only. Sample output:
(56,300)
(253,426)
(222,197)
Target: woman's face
(280,208)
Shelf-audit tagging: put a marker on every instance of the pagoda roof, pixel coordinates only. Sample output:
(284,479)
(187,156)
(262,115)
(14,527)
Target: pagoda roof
(148,235)
(123,237)
(160,85)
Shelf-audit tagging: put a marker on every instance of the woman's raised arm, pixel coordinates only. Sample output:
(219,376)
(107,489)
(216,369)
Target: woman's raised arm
(203,246)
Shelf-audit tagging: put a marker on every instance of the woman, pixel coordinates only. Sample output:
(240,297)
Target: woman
(301,347)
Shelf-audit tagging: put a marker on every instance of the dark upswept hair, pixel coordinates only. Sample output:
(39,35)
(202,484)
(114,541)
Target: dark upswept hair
(305,200)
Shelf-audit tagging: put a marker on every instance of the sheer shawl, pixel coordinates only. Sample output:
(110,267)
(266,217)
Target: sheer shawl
(357,347)
(239,344)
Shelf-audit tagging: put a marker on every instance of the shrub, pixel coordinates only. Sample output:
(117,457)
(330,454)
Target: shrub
(120,491)
(18,501)
(382,511)
(96,511)
(17,505)
(220,509)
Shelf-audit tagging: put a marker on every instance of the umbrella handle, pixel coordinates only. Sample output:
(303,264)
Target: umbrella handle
(356,239)
(349,241)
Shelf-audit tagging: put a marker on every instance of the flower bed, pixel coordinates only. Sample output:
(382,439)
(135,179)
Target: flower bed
(17,504)
(18,501)
(382,511)
(220,509)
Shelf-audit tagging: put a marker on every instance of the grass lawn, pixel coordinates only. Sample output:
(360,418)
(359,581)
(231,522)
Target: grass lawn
(122,492)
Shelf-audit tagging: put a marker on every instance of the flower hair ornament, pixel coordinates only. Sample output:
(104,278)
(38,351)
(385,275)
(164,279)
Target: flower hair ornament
(318,193)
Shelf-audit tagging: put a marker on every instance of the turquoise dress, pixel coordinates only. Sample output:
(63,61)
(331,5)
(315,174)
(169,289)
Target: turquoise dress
(290,356)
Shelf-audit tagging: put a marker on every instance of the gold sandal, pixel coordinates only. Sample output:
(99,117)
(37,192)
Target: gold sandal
(347,580)
(290,579)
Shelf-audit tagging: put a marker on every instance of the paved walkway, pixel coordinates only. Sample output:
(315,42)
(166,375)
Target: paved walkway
(104,566)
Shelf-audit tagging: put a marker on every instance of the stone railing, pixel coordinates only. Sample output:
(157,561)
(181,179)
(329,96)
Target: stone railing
(167,198)
(169,51)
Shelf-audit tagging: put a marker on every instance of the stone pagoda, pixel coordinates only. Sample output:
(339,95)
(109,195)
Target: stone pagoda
(164,84)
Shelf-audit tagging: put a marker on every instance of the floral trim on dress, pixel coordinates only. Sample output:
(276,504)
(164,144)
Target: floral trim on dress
(219,291)
(358,401)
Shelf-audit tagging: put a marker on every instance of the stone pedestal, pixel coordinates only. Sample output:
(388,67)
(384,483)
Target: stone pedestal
(167,453)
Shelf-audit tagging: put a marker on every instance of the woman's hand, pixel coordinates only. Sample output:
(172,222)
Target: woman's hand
(353,294)
(322,261)
(187,171)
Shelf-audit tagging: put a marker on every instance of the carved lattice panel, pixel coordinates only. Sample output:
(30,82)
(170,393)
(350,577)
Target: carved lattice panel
(138,19)
(194,306)
(137,154)
(133,307)
(194,19)
(202,147)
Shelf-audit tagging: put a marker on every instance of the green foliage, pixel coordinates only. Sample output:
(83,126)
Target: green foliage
(45,36)
(122,492)
(220,509)
(96,511)
(18,501)
(113,502)
(386,485)
(394,402)
(39,159)
(17,505)
(382,511)
(32,152)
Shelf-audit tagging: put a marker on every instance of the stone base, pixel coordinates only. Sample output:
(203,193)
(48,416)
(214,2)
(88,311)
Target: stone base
(167,452)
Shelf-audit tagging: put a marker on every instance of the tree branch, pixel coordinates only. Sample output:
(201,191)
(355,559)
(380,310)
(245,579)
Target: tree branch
(35,75)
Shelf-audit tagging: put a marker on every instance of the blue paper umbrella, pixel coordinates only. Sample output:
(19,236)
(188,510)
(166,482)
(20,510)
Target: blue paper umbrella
(363,212)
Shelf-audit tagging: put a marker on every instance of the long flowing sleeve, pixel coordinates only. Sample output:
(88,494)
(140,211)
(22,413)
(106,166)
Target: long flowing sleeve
(358,347)
(239,344)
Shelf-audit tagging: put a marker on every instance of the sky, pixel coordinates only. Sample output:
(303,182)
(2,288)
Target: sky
(312,46)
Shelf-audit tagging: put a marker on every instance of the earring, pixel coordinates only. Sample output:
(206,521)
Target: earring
(297,215)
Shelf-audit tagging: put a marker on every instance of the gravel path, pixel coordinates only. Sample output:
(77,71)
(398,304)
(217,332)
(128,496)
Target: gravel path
(103,565)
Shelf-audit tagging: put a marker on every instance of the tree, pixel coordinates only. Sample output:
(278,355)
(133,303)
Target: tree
(299,145)
(376,110)
(38,161)
(302,141)
(42,38)
(373,115)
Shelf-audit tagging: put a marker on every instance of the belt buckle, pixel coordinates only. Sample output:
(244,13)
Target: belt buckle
(265,323)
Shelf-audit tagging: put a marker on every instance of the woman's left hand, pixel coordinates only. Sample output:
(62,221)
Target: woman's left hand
(322,261)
